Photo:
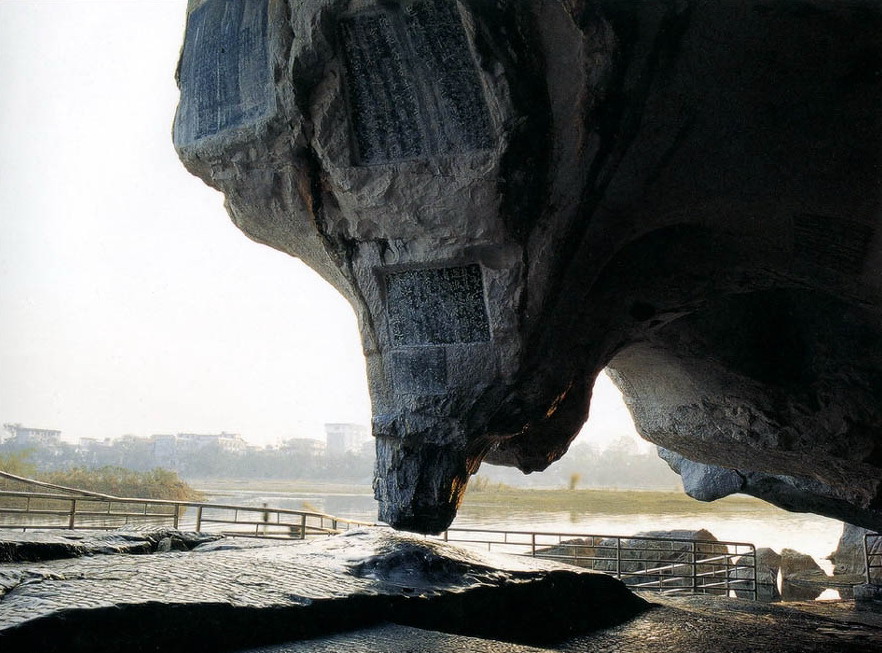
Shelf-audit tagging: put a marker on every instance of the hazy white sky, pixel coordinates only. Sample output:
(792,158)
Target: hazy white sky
(129,303)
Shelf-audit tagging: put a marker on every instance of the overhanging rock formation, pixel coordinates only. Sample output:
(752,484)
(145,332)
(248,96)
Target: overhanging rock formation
(515,194)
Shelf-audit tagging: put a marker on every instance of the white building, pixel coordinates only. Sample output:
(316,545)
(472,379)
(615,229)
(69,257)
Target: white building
(167,447)
(227,441)
(304,446)
(32,435)
(345,438)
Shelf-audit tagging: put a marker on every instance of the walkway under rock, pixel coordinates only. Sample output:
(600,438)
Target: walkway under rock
(373,591)
(230,595)
(673,625)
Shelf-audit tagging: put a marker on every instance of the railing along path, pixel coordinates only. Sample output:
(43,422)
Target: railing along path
(658,564)
(68,508)
(873,557)
(667,565)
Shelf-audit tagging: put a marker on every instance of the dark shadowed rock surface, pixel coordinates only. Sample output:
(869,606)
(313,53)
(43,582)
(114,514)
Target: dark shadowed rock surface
(225,599)
(673,625)
(515,195)
(869,593)
(33,546)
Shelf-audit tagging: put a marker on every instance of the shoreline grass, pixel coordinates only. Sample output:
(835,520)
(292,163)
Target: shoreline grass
(616,501)
(504,498)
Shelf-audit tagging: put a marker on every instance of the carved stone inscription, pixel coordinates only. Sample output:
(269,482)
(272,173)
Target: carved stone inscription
(437,306)
(419,371)
(832,242)
(225,75)
(412,85)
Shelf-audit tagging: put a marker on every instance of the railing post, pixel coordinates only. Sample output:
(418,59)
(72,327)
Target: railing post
(175,518)
(533,544)
(753,570)
(73,514)
(867,556)
(694,569)
(728,589)
(619,558)
(446,535)
(302,527)
(199,519)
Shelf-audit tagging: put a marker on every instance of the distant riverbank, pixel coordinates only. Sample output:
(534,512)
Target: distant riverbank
(610,511)
(496,498)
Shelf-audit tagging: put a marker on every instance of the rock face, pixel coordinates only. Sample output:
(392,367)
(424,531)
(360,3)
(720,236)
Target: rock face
(768,562)
(802,579)
(849,557)
(514,195)
(53,545)
(225,599)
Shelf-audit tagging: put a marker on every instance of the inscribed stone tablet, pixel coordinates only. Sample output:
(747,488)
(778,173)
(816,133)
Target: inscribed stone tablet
(419,371)
(437,306)
(225,75)
(412,85)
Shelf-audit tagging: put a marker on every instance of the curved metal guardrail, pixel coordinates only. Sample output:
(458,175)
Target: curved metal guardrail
(67,508)
(873,557)
(667,565)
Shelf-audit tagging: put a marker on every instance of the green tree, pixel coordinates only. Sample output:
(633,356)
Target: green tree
(18,463)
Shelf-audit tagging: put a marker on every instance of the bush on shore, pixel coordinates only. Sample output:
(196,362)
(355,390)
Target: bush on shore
(156,483)
(153,484)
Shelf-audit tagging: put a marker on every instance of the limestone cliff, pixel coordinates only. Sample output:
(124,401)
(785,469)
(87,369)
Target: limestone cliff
(515,194)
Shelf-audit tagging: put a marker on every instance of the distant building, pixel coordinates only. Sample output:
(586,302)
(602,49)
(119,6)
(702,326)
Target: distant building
(48,437)
(345,438)
(227,441)
(169,447)
(304,447)
(165,449)
(90,444)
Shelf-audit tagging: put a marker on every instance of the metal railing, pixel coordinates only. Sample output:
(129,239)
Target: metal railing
(69,508)
(873,557)
(667,565)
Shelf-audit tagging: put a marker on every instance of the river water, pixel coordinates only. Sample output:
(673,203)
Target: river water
(603,513)
(757,523)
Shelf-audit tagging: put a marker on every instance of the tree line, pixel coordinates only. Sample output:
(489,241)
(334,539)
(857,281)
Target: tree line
(618,466)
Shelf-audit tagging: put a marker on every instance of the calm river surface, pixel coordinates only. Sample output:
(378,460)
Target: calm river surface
(741,519)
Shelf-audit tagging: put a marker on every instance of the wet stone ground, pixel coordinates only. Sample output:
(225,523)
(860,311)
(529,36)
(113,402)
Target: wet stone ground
(230,594)
(377,591)
(673,625)
(33,546)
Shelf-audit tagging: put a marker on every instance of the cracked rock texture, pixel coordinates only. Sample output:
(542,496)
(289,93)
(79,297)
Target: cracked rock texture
(692,624)
(34,546)
(222,599)
(516,194)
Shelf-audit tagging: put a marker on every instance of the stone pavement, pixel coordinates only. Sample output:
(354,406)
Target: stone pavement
(32,546)
(222,596)
(379,592)
(673,625)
